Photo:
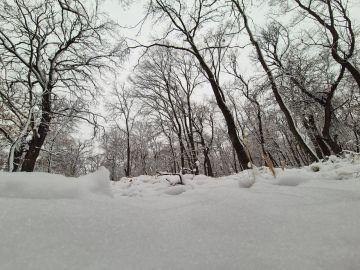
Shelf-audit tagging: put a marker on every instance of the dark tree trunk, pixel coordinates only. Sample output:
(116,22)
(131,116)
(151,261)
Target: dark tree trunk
(313,135)
(208,164)
(353,70)
(182,154)
(261,134)
(274,87)
(335,147)
(234,159)
(128,150)
(190,131)
(220,100)
(38,138)
(319,140)
(33,152)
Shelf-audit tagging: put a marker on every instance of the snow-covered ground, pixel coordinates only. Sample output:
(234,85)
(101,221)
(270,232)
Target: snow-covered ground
(300,220)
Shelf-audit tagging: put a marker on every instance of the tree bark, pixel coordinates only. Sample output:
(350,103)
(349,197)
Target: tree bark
(39,136)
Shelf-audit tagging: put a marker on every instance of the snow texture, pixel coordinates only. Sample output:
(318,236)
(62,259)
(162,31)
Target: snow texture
(300,220)
(51,186)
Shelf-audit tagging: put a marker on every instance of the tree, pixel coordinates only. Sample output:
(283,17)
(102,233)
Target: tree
(340,33)
(122,106)
(204,127)
(239,7)
(208,49)
(161,86)
(54,49)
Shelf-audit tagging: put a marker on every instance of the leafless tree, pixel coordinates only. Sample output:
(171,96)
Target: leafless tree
(122,107)
(239,8)
(337,27)
(53,49)
(188,25)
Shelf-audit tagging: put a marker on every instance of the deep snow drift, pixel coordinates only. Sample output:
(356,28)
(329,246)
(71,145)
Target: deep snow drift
(300,220)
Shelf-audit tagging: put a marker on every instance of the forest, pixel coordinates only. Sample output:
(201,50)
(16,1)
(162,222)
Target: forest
(179,134)
(209,87)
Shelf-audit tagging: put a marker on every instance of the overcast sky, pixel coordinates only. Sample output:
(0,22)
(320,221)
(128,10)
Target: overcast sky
(134,12)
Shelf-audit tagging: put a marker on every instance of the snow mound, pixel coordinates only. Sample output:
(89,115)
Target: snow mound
(146,185)
(290,178)
(338,168)
(51,186)
(96,184)
(176,190)
(246,182)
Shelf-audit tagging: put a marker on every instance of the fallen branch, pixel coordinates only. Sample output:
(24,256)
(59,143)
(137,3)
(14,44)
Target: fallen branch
(166,173)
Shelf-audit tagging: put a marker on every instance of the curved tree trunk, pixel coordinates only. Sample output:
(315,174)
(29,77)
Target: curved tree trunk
(339,56)
(220,100)
(274,87)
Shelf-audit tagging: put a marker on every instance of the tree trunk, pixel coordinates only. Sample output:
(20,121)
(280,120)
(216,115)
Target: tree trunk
(335,147)
(39,136)
(17,157)
(220,100)
(353,70)
(313,133)
(190,131)
(274,88)
(128,151)
(293,152)
(208,164)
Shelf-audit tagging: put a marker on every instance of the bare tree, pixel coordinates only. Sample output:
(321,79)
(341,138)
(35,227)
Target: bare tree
(239,7)
(156,84)
(204,127)
(55,47)
(309,74)
(332,16)
(123,107)
(189,23)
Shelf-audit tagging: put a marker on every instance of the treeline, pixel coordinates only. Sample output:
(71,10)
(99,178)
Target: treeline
(216,89)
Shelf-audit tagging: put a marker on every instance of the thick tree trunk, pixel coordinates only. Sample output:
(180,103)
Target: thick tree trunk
(39,136)
(207,161)
(313,135)
(34,150)
(319,140)
(220,100)
(335,147)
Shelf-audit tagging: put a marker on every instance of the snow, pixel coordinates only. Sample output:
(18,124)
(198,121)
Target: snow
(51,186)
(299,220)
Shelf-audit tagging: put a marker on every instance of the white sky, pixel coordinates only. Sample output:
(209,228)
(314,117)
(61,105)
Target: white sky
(130,15)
